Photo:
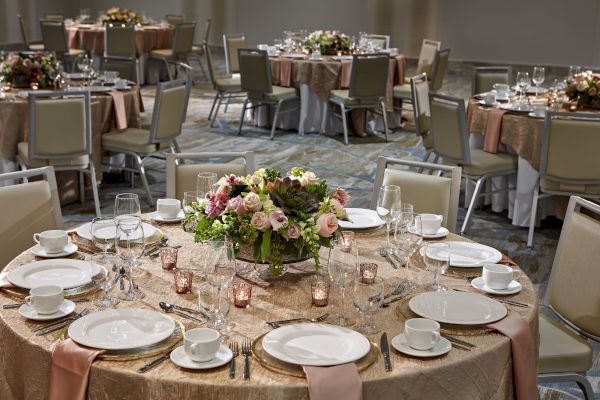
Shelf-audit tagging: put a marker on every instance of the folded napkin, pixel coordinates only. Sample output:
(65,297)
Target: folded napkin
(400,68)
(492,130)
(523,354)
(119,108)
(346,72)
(337,382)
(4,280)
(70,371)
(285,72)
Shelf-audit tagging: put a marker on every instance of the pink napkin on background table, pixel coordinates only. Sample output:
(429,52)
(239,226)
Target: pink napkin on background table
(70,371)
(119,108)
(492,130)
(400,68)
(346,72)
(337,382)
(285,72)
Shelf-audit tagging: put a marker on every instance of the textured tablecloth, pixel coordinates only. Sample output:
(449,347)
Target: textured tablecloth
(484,373)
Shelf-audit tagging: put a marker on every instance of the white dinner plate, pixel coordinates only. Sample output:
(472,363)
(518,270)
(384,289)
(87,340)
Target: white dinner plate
(442,232)
(181,359)
(513,287)
(66,308)
(64,272)
(466,254)
(85,231)
(361,218)
(316,344)
(515,107)
(441,347)
(69,249)
(457,308)
(156,217)
(121,329)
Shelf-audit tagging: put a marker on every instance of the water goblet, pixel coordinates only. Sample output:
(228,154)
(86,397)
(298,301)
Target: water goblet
(388,206)
(220,267)
(127,204)
(523,82)
(368,298)
(103,279)
(343,268)
(437,260)
(104,233)
(574,70)
(130,246)
(204,183)
(538,78)
(407,241)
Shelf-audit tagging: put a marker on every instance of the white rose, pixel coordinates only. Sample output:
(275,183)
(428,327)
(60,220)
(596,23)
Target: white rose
(308,178)
(581,86)
(252,202)
(254,180)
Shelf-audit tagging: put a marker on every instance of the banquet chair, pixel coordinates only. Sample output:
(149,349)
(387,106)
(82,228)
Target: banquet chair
(198,49)
(368,87)
(182,178)
(30,46)
(54,36)
(54,16)
(451,143)
(170,109)
(427,193)
(232,42)
(484,78)
(174,19)
(421,112)
(34,207)
(120,51)
(427,55)
(572,294)
(60,135)
(381,41)
(435,76)
(255,75)
(569,162)
(182,47)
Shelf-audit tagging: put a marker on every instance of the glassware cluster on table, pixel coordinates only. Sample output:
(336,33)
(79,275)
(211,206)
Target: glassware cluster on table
(295,42)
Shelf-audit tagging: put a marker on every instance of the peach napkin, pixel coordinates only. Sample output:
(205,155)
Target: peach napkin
(119,108)
(492,130)
(523,354)
(346,72)
(400,68)
(337,382)
(285,73)
(4,280)
(70,371)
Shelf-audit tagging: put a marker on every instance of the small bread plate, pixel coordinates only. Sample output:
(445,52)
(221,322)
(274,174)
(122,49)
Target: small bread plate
(181,359)
(441,347)
(66,308)
(513,287)
(69,249)
(156,217)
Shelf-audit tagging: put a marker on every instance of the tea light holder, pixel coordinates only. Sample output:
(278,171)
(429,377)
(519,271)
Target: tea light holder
(7,86)
(347,237)
(168,257)
(183,281)
(320,293)
(34,85)
(368,272)
(242,293)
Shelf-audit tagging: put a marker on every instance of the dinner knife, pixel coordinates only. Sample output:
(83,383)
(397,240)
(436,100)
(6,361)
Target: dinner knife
(155,362)
(385,351)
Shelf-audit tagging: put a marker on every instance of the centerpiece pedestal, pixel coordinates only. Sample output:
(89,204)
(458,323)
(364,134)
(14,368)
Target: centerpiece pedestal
(264,268)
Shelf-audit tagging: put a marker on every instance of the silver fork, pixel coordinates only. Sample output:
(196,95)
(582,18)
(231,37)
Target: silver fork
(236,352)
(60,325)
(246,352)
(383,253)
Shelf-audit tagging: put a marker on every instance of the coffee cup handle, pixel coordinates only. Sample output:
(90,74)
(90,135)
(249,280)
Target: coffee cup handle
(29,301)
(435,337)
(36,237)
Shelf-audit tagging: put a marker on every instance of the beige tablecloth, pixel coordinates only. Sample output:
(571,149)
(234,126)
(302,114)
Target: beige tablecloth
(484,373)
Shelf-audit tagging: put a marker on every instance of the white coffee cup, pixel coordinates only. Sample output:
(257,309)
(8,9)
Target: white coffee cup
(45,299)
(422,333)
(431,223)
(489,98)
(498,276)
(201,344)
(53,241)
(539,110)
(168,208)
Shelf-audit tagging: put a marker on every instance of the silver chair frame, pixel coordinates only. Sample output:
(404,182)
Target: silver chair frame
(131,58)
(414,81)
(226,38)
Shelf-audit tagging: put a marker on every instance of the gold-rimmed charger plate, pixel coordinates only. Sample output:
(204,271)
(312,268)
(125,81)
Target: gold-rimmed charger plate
(281,367)
(89,247)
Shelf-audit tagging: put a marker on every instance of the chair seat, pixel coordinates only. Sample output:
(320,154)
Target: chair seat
(343,96)
(162,54)
(403,92)
(23,152)
(561,350)
(131,139)
(483,163)
(36,47)
(229,85)
(146,120)
(581,190)
(278,93)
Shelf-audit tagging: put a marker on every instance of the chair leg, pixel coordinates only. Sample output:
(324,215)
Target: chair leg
(212,109)
(81,188)
(324,120)
(385,122)
(168,69)
(474,198)
(585,387)
(95,190)
(345,123)
(142,171)
(227,103)
(274,125)
(532,217)
(175,145)
(242,116)
(212,124)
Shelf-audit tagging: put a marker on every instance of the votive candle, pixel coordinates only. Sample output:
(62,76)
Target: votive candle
(320,293)
(183,281)
(242,293)
(368,272)
(168,257)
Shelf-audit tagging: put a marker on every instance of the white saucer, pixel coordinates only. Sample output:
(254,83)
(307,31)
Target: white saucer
(156,217)
(66,308)
(442,232)
(69,249)
(513,287)
(483,103)
(532,115)
(442,347)
(181,359)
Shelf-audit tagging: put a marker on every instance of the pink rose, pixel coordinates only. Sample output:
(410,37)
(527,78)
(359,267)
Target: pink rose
(340,195)
(236,205)
(252,202)
(293,232)
(260,221)
(277,219)
(327,224)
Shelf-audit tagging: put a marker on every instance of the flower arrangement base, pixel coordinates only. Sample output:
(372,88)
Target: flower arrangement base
(246,254)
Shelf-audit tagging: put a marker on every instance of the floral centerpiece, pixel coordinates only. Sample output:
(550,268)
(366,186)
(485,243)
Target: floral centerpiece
(585,89)
(275,216)
(120,14)
(22,69)
(330,42)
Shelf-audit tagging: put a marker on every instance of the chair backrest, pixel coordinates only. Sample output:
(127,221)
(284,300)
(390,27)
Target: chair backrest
(54,36)
(382,41)
(23,29)
(570,150)
(255,74)
(426,56)
(369,76)
(54,16)
(184,39)
(59,128)
(174,19)
(427,193)
(420,100)
(449,128)
(206,35)
(29,208)
(232,43)
(572,290)
(485,77)
(119,41)
(438,72)
(182,178)
(209,64)
(170,109)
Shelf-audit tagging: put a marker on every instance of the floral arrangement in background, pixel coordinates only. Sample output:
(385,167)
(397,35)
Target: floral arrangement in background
(331,42)
(585,89)
(119,14)
(278,216)
(22,69)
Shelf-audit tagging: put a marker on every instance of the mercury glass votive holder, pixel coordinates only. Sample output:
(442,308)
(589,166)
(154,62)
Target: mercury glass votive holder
(242,293)
(368,272)
(168,258)
(34,85)
(183,281)
(319,291)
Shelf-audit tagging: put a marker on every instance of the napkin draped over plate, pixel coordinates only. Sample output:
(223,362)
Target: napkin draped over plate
(337,382)
(492,130)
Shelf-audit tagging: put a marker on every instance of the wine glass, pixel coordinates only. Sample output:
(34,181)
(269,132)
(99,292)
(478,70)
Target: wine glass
(127,204)
(388,205)
(103,280)
(342,267)
(574,70)
(204,183)
(406,217)
(407,241)
(524,82)
(368,298)
(220,268)
(437,260)
(104,233)
(538,78)
(130,247)
(83,64)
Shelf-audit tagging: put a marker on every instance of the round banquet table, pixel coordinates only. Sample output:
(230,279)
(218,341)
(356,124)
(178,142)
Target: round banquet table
(483,373)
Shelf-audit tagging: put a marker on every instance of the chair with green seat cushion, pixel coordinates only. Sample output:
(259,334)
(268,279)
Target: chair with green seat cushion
(255,75)
(54,36)
(569,162)
(170,109)
(368,88)
(421,113)
(60,135)
(572,294)
(451,142)
(30,46)
(484,78)
(427,193)
(182,47)
(120,52)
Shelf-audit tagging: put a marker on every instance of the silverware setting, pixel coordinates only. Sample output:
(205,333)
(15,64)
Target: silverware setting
(202,312)
(277,324)
(389,302)
(17,305)
(54,326)
(155,362)
(168,308)
(501,300)
(383,253)
(246,352)
(459,344)
(385,352)
(235,350)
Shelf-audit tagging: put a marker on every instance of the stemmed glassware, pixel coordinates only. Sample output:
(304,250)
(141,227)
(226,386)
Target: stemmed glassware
(127,204)
(368,298)
(388,207)
(342,268)
(437,260)
(103,279)
(574,70)
(130,246)
(189,198)
(538,78)
(407,241)
(205,182)
(524,82)
(220,268)
(83,63)
(104,233)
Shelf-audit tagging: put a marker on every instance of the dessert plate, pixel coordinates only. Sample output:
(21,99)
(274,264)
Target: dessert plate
(39,251)
(181,359)
(66,308)
(466,254)
(513,287)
